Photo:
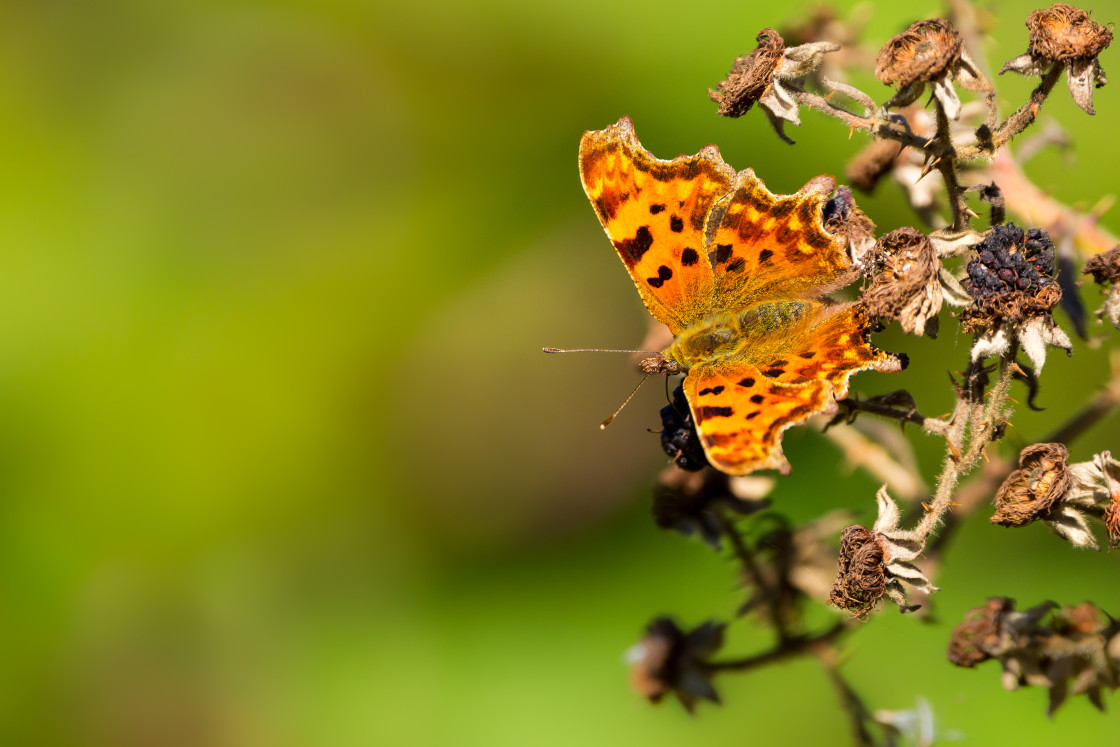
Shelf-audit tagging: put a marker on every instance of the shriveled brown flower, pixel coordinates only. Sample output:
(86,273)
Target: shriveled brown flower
(1063,32)
(771,75)
(750,76)
(1031,491)
(861,579)
(875,564)
(1066,35)
(1112,522)
(691,502)
(669,660)
(1069,655)
(1105,268)
(843,218)
(924,52)
(974,640)
(907,288)
(929,52)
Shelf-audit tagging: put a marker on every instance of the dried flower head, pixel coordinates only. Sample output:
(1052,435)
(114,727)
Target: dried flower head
(669,660)
(692,502)
(750,76)
(1065,35)
(924,52)
(907,288)
(843,218)
(771,75)
(875,564)
(1069,656)
(1031,491)
(930,52)
(1014,289)
(872,163)
(1105,268)
(1096,486)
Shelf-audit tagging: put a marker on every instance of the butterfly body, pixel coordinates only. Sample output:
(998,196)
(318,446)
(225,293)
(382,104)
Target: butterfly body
(740,276)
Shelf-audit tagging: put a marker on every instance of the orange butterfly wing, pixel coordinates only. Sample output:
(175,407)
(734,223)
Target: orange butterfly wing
(765,245)
(740,414)
(654,212)
(832,350)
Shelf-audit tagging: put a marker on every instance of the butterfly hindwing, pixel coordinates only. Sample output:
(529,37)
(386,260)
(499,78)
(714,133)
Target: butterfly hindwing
(654,212)
(740,414)
(764,244)
(833,349)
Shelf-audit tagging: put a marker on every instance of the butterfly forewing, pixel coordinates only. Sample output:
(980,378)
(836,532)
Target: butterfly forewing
(654,212)
(764,245)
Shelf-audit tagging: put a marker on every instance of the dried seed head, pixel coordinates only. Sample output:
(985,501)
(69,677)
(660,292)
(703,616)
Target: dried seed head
(1031,491)
(669,660)
(1112,521)
(978,635)
(861,579)
(843,218)
(691,502)
(1104,267)
(925,52)
(1063,32)
(907,288)
(750,76)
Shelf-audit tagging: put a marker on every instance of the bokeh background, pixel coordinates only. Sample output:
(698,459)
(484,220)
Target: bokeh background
(280,460)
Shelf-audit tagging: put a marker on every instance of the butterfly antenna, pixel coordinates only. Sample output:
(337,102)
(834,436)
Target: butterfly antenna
(599,350)
(605,423)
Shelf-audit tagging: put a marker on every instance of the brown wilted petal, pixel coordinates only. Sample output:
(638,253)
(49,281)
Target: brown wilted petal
(669,660)
(872,163)
(925,52)
(1063,32)
(1112,522)
(843,218)
(908,287)
(1104,267)
(1031,491)
(750,76)
(861,579)
(977,638)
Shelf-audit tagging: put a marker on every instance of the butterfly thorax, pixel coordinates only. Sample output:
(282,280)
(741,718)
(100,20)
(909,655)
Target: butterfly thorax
(751,334)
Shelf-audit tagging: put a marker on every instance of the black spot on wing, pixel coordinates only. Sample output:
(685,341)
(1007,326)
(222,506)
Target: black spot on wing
(663,274)
(773,373)
(764,255)
(703,413)
(676,225)
(633,249)
(747,382)
(655,209)
(689,257)
(722,253)
(753,415)
(757,399)
(711,390)
(737,266)
(807,355)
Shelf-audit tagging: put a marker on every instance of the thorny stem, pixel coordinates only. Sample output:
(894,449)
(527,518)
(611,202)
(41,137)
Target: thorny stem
(947,165)
(788,648)
(853,705)
(754,574)
(933,425)
(1015,122)
(979,435)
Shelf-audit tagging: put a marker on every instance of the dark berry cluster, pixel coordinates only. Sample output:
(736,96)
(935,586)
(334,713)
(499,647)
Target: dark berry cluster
(1011,262)
(678,434)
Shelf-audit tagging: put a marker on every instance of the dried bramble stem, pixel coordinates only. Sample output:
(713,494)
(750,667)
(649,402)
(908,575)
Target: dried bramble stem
(790,648)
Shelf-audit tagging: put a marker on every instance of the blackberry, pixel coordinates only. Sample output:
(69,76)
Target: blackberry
(678,434)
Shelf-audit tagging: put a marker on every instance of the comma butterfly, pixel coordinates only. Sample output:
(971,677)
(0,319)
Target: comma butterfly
(740,277)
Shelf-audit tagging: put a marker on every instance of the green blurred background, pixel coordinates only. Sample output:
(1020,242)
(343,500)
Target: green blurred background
(280,460)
